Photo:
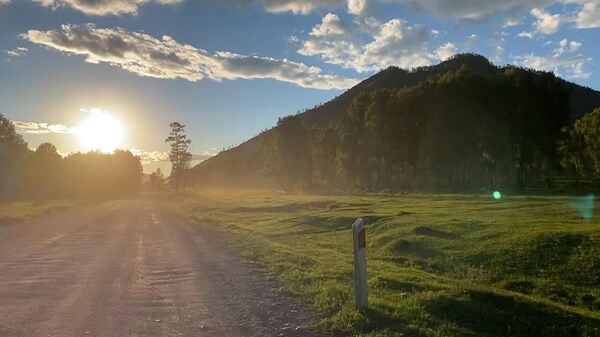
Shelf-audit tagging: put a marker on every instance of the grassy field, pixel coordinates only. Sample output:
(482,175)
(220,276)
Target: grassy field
(18,211)
(439,265)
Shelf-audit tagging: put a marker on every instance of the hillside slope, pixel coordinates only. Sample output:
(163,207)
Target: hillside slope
(242,166)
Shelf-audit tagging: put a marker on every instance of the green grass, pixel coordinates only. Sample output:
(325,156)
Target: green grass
(19,211)
(439,265)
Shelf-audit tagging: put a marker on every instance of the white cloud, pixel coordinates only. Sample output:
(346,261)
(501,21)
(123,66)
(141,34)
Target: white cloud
(17,52)
(391,43)
(511,22)
(561,64)
(473,10)
(546,23)
(566,46)
(589,16)
(103,7)
(330,25)
(151,157)
(469,10)
(156,157)
(563,60)
(471,40)
(526,34)
(40,128)
(340,52)
(575,45)
(166,58)
(357,7)
(502,36)
(446,51)
(4,2)
(294,6)
(395,44)
(498,55)
(235,66)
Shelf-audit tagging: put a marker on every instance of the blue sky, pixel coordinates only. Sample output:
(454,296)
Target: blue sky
(228,69)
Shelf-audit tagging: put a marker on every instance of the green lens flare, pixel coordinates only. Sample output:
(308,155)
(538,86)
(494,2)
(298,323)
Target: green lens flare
(497,195)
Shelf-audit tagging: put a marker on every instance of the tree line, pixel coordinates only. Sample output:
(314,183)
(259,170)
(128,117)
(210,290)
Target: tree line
(44,173)
(456,131)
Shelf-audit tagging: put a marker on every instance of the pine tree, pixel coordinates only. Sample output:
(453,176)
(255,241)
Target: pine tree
(179,155)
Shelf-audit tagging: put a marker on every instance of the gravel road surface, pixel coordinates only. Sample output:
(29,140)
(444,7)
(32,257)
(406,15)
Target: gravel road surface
(130,268)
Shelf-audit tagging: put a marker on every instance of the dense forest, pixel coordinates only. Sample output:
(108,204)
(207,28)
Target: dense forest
(455,131)
(44,173)
(512,101)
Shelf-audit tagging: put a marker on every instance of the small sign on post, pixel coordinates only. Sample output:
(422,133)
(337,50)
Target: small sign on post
(360,264)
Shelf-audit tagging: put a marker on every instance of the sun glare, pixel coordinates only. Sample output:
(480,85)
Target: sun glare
(100,131)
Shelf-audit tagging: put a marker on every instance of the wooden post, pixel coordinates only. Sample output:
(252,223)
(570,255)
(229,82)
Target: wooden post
(360,264)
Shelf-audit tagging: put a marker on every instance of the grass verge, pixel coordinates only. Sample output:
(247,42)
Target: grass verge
(19,211)
(439,265)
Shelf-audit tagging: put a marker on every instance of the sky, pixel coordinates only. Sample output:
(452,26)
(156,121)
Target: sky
(228,69)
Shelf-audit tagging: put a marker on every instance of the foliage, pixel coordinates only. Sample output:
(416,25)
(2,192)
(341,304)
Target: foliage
(12,150)
(157,179)
(179,155)
(456,131)
(580,146)
(44,173)
(289,157)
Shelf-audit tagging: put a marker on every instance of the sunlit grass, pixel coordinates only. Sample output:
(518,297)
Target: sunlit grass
(439,265)
(18,211)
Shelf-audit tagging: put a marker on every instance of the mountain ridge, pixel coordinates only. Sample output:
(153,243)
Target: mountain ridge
(241,166)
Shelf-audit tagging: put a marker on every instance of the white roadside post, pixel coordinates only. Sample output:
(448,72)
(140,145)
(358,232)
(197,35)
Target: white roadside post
(360,264)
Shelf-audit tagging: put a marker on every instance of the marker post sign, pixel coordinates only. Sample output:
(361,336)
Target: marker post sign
(360,264)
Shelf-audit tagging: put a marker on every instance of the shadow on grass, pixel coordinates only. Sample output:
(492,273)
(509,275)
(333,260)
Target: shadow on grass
(403,247)
(286,208)
(379,321)
(428,231)
(476,314)
(480,313)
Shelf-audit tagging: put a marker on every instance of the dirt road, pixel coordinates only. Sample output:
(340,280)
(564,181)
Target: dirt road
(129,268)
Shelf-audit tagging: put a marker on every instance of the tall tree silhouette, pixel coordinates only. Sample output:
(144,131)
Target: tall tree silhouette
(179,155)
(12,151)
(157,179)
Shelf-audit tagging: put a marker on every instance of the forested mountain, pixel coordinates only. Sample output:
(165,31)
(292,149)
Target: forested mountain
(463,123)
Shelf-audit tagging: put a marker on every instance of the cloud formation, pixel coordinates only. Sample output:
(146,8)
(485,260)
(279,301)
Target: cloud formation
(157,157)
(473,10)
(17,52)
(546,23)
(391,43)
(103,7)
(41,128)
(589,16)
(294,6)
(166,58)
(357,7)
(446,51)
(563,60)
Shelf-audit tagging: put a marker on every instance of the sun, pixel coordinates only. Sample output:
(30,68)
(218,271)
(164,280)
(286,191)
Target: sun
(100,131)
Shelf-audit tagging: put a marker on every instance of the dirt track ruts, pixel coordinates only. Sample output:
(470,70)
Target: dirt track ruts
(130,268)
